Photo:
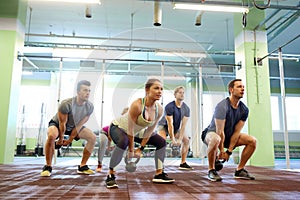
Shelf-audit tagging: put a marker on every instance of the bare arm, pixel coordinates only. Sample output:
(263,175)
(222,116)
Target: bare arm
(234,138)
(220,125)
(133,113)
(78,128)
(148,132)
(62,119)
(150,129)
(182,128)
(170,127)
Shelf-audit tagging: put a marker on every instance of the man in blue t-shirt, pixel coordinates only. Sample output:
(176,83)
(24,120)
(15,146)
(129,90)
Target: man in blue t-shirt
(224,131)
(173,123)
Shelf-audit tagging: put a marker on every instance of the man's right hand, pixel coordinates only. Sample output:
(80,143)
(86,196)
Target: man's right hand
(60,142)
(175,142)
(223,156)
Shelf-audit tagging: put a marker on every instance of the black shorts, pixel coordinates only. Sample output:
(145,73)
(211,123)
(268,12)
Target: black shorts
(204,133)
(67,132)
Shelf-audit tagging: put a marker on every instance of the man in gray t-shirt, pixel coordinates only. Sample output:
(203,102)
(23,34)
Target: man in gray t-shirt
(72,114)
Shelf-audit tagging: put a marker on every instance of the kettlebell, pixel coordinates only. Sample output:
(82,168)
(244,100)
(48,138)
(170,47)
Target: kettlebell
(219,165)
(130,165)
(56,146)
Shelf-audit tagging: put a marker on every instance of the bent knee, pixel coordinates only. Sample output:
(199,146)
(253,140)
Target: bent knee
(91,138)
(214,140)
(51,137)
(253,141)
(185,141)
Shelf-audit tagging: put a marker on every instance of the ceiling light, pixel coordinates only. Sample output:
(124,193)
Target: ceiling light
(35,50)
(86,53)
(212,8)
(72,1)
(181,54)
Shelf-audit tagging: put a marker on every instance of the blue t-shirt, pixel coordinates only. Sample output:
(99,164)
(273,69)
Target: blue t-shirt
(232,116)
(178,113)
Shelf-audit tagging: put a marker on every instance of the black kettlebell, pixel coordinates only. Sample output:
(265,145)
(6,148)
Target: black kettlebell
(130,165)
(219,165)
(56,146)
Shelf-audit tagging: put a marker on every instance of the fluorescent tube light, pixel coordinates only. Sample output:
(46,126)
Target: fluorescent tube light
(72,1)
(35,50)
(212,8)
(86,53)
(181,54)
(27,73)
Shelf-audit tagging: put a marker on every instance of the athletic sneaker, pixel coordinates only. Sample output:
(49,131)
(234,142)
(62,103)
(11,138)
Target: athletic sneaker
(213,175)
(84,170)
(185,166)
(99,168)
(111,181)
(46,171)
(243,174)
(162,178)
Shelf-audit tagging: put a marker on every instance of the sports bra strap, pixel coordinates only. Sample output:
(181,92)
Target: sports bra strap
(143,109)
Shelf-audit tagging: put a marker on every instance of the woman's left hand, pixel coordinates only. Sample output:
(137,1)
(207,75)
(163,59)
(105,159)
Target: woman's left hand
(138,153)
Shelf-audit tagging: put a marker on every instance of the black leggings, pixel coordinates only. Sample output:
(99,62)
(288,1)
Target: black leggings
(121,140)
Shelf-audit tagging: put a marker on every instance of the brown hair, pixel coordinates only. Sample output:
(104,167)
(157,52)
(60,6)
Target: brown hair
(150,82)
(82,82)
(231,84)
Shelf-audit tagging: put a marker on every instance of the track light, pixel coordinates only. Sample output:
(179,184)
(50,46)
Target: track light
(199,19)
(157,14)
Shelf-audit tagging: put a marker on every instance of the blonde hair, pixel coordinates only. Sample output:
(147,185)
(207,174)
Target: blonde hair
(178,88)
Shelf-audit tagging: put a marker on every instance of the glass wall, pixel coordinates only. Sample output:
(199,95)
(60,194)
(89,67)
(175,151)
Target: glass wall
(113,92)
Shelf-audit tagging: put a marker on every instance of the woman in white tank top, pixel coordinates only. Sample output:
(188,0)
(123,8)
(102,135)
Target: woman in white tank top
(143,114)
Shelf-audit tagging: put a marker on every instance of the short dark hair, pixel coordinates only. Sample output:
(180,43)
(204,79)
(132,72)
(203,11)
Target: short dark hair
(82,82)
(231,84)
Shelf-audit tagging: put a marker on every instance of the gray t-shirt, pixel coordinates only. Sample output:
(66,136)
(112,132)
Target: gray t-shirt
(75,112)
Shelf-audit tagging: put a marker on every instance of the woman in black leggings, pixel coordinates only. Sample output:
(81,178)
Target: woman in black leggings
(142,117)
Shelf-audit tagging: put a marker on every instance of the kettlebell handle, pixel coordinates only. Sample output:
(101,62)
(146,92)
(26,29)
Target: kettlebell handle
(127,160)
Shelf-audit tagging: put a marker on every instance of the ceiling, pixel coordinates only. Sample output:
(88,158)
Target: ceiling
(123,30)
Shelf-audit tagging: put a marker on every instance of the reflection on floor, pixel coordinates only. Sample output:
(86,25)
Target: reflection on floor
(21,180)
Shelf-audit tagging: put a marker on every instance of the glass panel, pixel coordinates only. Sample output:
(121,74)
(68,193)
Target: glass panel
(292,112)
(209,103)
(275,113)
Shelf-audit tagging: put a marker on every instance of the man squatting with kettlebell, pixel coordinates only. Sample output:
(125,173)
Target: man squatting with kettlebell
(173,123)
(143,113)
(72,114)
(225,131)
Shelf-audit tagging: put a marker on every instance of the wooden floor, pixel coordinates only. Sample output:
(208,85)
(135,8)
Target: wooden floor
(23,181)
